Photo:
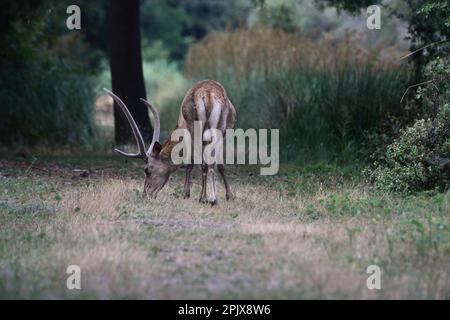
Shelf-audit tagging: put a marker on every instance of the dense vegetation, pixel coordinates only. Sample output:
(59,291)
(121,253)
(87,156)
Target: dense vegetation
(337,95)
(419,157)
(46,96)
(326,94)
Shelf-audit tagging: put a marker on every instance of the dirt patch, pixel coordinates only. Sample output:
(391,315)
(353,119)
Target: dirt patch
(186,223)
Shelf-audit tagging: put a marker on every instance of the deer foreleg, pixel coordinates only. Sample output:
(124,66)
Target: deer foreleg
(188,181)
(228,194)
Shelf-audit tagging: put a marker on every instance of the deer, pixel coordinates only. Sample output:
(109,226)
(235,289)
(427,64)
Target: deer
(207,103)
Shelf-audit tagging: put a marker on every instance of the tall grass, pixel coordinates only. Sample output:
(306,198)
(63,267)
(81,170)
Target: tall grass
(162,79)
(45,102)
(324,95)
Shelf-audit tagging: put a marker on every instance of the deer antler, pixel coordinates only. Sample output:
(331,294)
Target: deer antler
(137,134)
(156,125)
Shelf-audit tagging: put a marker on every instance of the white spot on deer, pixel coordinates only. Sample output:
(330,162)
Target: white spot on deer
(201,111)
(213,120)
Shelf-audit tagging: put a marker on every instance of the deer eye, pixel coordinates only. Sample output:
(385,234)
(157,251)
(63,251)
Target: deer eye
(147,170)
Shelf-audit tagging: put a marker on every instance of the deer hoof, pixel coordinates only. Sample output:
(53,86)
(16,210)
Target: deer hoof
(187,196)
(213,202)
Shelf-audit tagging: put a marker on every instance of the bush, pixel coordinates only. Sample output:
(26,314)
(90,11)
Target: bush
(419,159)
(45,102)
(45,88)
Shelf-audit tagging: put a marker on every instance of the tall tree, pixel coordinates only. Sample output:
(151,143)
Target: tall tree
(126,68)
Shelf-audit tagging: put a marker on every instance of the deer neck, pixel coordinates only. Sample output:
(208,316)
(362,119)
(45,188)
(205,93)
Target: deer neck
(166,150)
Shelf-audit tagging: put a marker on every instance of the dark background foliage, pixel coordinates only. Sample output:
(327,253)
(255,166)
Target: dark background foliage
(337,94)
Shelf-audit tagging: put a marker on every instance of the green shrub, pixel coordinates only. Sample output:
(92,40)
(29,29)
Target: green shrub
(419,159)
(45,102)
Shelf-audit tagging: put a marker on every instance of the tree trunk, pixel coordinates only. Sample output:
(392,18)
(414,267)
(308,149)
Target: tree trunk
(126,69)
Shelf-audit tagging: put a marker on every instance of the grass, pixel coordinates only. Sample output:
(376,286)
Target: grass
(309,232)
(326,93)
(52,104)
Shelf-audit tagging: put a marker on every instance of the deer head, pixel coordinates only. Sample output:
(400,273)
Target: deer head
(158,166)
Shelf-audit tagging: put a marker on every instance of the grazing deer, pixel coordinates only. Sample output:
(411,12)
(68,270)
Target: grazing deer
(206,102)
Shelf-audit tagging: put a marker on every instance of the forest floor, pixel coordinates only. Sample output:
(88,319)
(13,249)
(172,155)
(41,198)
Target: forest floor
(309,232)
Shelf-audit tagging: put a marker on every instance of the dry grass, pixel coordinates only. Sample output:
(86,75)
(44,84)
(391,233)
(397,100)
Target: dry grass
(273,49)
(325,93)
(269,243)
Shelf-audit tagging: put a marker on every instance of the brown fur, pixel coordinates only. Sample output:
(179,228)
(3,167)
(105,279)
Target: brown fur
(206,102)
(219,113)
(207,90)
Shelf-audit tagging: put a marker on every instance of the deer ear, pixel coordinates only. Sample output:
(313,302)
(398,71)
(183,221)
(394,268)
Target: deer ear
(157,147)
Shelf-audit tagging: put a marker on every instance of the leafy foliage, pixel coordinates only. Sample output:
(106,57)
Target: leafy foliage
(419,159)
(178,23)
(352,6)
(46,96)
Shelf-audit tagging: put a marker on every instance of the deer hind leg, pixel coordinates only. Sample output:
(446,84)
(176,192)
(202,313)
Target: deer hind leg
(212,184)
(212,180)
(203,197)
(214,123)
(188,181)
(208,180)
(211,175)
(228,193)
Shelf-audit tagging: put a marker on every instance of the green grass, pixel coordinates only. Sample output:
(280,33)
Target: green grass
(322,112)
(51,104)
(309,232)
(327,95)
